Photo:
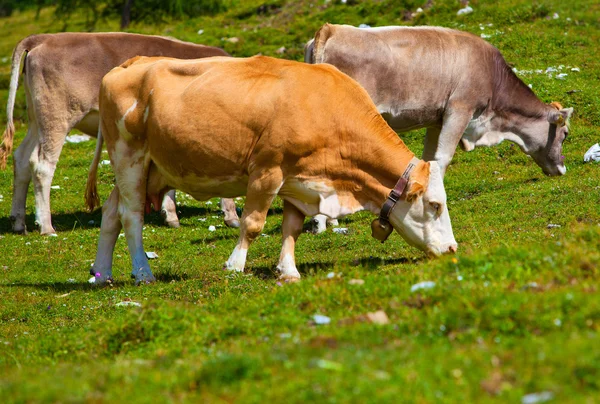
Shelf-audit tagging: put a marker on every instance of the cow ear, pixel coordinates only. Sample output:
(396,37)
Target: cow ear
(419,180)
(415,190)
(560,117)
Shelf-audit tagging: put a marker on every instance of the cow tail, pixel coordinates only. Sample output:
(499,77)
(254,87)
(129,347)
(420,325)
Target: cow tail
(318,46)
(92,200)
(7,138)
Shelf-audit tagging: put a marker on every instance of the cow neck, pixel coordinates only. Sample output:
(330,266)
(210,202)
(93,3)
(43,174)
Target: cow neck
(383,159)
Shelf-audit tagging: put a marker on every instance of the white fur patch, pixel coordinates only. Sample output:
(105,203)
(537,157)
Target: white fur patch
(121,123)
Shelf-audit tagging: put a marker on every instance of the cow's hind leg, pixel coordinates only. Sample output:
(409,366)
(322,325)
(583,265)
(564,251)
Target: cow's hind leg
(168,210)
(262,189)
(131,174)
(22,178)
(109,232)
(228,209)
(291,228)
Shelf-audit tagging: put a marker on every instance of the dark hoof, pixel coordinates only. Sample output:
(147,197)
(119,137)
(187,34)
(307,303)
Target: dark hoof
(233,223)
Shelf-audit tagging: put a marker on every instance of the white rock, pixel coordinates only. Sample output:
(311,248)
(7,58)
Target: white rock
(364,26)
(151,255)
(233,40)
(200,31)
(320,319)
(105,163)
(535,398)
(422,285)
(330,275)
(485,36)
(561,76)
(575,69)
(77,138)
(55,187)
(378,317)
(466,10)
(211,228)
(555,16)
(553,226)
(341,230)
(280,51)
(419,10)
(128,303)
(593,154)
(92,279)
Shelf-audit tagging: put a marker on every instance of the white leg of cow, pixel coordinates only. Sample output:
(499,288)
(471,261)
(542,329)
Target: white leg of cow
(131,177)
(291,228)
(22,178)
(228,209)
(109,232)
(168,210)
(43,165)
(261,192)
(440,144)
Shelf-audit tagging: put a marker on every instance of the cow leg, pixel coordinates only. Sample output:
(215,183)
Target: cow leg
(231,217)
(261,192)
(22,177)
(440,143)
(168,210)
(109,232)
(131,173)
(291,228)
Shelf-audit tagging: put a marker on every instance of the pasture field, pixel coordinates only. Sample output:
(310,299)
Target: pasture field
(515,312)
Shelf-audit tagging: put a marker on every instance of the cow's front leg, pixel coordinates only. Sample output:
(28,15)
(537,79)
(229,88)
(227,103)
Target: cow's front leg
(168,210)
(228,209)
(109,232)
(261,192)
(440,143)
(291,228)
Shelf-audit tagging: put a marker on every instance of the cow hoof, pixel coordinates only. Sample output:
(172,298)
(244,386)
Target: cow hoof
(19,228)
(289,278)
(233,223)
(317,226)
(143,276)
(100,279)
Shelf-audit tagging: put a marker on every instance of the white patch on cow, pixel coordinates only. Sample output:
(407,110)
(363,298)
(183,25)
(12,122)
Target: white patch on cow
(121,123)
(287,267)
(237,259)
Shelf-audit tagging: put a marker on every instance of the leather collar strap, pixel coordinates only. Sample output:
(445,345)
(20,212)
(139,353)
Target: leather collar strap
(396,193)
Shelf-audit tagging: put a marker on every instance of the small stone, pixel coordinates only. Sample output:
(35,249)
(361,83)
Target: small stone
(55,187)
(211,228)
(422,285)
(356,282)
(364,26)
(91,222)
(280,51)
(553,226)
(320,319)
(330,275)
(233,40)
(151,255)
(92,279)
(200,31)
(128,303)
(340,230)
(105,163)
(535,398)
(464,11)
(378,317)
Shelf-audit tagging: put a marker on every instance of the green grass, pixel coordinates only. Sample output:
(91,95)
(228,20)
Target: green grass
(516,311)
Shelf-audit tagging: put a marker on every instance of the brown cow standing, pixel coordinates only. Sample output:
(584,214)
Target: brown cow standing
(228,127)
(62,78)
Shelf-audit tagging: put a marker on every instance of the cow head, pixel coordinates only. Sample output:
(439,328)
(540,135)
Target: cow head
(546,137)
(422,217)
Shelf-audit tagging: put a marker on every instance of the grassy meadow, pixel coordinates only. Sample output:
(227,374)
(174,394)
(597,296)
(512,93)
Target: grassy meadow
(514,313)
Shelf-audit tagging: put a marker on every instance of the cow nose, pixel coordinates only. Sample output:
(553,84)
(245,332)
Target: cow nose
(452,249)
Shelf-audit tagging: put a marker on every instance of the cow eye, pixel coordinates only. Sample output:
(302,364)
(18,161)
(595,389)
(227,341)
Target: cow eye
(437,207)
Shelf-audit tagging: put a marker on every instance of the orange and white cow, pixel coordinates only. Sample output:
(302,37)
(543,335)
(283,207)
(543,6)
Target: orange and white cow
(259,127)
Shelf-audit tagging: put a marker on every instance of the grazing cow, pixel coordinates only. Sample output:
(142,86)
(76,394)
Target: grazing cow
(62,77)
(453,83)
(228,127)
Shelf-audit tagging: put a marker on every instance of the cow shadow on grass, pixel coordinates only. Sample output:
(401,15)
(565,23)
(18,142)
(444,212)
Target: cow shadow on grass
(68,221)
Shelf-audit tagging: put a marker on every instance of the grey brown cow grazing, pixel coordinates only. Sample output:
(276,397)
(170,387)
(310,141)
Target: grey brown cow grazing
(453,83)
(62,75)
(228,127)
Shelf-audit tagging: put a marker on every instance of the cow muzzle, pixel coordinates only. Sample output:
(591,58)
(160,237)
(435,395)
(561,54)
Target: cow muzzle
(381,230)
